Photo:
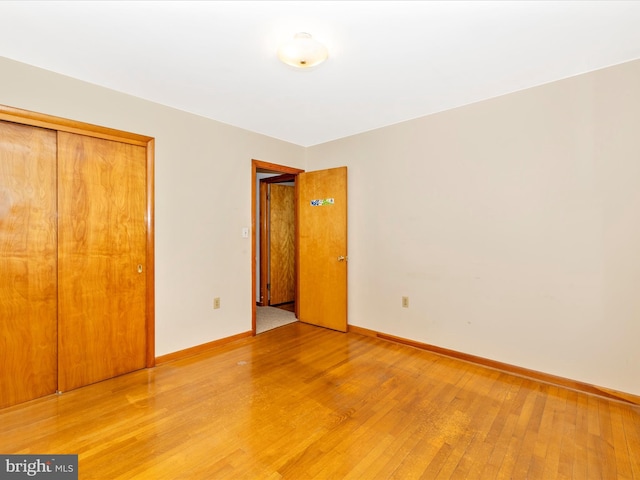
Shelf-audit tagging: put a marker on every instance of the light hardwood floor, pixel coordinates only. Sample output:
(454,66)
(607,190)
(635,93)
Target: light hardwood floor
(302,402)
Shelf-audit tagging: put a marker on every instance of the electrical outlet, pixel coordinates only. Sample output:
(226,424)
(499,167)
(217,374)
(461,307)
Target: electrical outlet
(405,302)
(216,302)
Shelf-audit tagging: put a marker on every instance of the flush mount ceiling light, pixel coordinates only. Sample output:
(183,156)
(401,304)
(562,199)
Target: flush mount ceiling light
(303,51)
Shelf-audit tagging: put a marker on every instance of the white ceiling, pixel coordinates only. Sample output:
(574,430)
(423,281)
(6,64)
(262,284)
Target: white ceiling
(389,61)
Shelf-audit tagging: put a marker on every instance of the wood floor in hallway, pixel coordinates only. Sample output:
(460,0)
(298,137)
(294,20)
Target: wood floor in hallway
(301,402)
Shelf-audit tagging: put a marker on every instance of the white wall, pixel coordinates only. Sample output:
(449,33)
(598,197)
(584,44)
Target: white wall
(512,224)
(203,198)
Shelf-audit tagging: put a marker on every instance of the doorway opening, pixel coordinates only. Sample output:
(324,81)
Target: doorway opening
(273,245)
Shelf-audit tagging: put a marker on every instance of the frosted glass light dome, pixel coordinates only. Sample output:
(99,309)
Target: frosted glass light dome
(303,51)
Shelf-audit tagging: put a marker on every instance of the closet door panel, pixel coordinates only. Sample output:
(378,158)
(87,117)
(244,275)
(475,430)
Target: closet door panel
(28,252)
(101,264)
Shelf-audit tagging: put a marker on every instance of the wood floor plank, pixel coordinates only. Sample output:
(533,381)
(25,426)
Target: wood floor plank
(619,443)
(529,434)
(501,432)
(632,435)
(568,444)
(547,450)
(471,456)
(466,412)
(303,402)
(581,441)
(605,441)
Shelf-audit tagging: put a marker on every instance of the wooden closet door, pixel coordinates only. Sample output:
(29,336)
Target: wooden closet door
(101,264)
(28,253)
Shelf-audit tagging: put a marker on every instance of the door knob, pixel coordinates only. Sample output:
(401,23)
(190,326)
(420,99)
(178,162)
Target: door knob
(139,268)
(342,258)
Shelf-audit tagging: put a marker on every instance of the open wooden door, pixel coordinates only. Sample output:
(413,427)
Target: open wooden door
(281,272)
(322,248)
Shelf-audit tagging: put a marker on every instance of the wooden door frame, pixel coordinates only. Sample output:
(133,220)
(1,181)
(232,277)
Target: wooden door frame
(258,166)
(25,117)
